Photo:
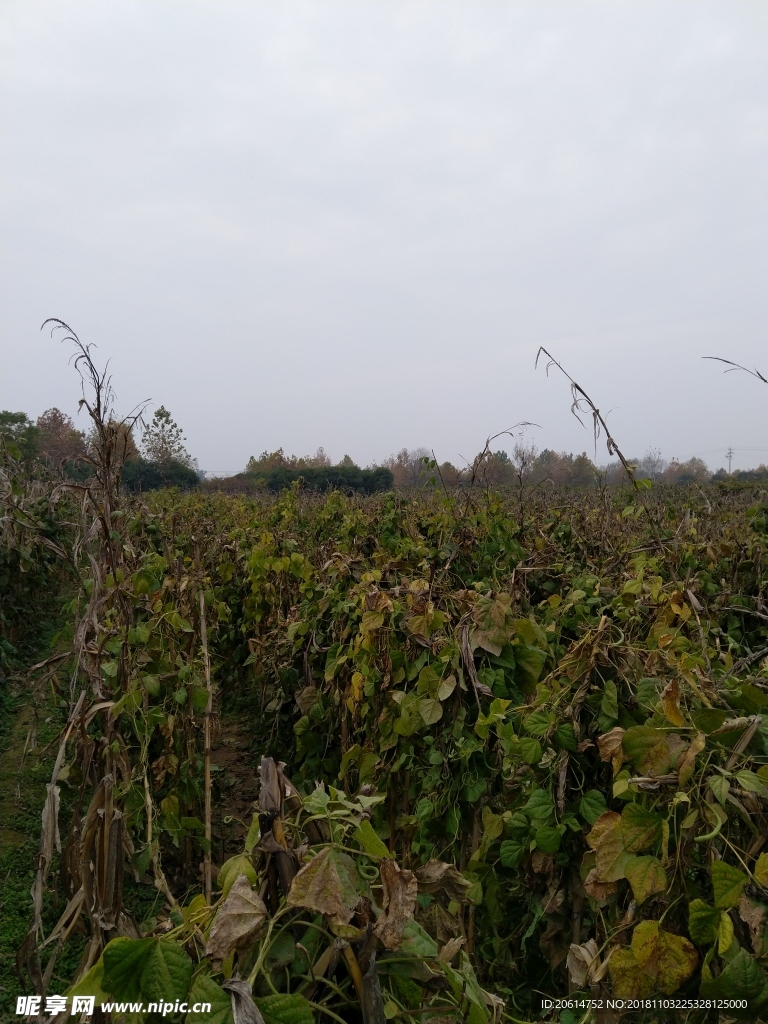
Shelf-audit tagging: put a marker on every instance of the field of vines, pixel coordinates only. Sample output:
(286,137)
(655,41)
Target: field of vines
(494,748)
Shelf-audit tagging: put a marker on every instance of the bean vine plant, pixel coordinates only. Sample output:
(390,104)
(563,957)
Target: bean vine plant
(508,746)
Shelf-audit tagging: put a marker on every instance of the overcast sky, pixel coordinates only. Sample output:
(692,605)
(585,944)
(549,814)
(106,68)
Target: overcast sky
(352,224)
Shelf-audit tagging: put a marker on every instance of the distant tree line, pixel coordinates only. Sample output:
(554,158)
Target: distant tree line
(418,468)
(52,445)
(274,471)
(55,446)
(525,466)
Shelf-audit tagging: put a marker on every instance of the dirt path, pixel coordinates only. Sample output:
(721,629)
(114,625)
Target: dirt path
(236,789)
(13,796)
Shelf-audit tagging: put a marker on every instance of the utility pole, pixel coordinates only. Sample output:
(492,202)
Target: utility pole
(729,456)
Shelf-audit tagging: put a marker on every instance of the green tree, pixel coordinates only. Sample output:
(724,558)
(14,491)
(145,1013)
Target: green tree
(19,432)
(163,440)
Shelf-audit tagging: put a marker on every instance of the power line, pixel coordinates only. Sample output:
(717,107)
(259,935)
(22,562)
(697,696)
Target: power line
(714,451)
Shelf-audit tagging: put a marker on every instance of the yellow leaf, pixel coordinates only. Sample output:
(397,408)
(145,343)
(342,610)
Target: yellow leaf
(609,745)
(605,823)
(621,784)
(760,871)
(629,979)
(724,934)
(90,985)
(646,876)
(669,959)
(687,760)
(670,701)
(607,841)
(371,622)
(357,686)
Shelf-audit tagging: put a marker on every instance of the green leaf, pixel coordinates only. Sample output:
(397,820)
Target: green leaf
(472,791)
(708,719)
(518,824)
(367,767)
(540,805)
(703,923)
(253,833)
(720,786)
(177,622)
(417,942)
(282,952)
(529,664)
(609,705)
(566,737)
(466,989)
(446,687)
(430,709)
(167,972)
(742,978)
(428,681)
(92,984)
(333,661)
(538,723)
(728,884)
(231,871)
(205,990)
(592,805)
(548,839)
(350,758)
(285,1009)
(124,961)
(530,750)
(493,826)
(751,782)
(511,853)
(647,748)
(496,713)
(646,876)
(369,841)
(641,829)
(317,801)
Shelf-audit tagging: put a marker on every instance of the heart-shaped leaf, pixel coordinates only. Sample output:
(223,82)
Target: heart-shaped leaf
(728,884)
(703,922)
(327,884)
(646,876)
(167,972)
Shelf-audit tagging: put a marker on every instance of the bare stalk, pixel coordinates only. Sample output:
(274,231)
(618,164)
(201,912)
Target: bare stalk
(737,366)
(479,460)
(582,403)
